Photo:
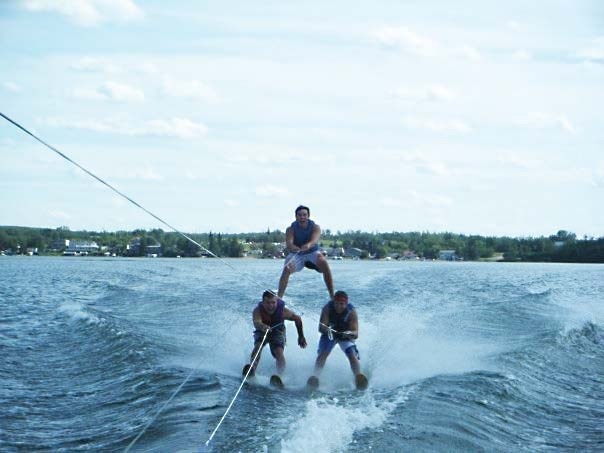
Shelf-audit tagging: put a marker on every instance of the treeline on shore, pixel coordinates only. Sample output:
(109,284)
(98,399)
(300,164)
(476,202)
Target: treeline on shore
(563,246)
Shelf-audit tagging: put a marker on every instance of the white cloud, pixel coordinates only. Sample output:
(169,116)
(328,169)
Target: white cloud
(272,191)
(91,64)
(89,13)
(418,161)
(595,51)
(407,40)
(121,92)
(427,93)
(522,162)
(540,120)
(432,168)
(192,89)
(522,55)
(598,175)
(118,202)
(392,202)
(428,199)
(467,52)
(174,127)
(145,173)
(11,86)
(433,125)
(111,91)
(60,215)
(146,67)
(193,175)
(415,198)
(89,94)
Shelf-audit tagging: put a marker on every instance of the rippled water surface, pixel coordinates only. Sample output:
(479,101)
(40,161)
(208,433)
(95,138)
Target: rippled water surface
(460,357)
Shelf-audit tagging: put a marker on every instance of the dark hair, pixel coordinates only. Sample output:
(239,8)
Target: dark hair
(299,208)
(340,294)
(268,294)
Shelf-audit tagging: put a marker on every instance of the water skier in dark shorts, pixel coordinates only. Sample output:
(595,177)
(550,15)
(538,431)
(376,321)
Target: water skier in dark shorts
(270,315)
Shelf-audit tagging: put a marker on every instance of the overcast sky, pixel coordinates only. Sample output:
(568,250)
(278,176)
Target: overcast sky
(471,117)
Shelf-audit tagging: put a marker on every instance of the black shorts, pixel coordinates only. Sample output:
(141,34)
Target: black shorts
(276,338)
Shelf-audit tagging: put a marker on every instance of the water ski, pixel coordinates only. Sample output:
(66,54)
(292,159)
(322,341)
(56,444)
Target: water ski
(312,383)
(276,381)
(361,382)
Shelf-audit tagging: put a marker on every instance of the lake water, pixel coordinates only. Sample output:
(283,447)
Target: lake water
(460,357)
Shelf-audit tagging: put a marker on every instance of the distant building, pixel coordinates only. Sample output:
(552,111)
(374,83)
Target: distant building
(151,250)
(353,252)
(58,245)
(447,255)
(334,252)
(408,255)
(81,248)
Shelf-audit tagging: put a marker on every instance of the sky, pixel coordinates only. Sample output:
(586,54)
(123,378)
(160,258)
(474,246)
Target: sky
(469,117)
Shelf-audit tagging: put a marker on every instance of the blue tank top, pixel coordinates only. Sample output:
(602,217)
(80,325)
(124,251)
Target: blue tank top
(302,236)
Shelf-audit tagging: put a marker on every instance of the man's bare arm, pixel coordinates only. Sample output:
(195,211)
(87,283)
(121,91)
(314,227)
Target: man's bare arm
(289,240)
(291,316)
(324,322)
(257,320)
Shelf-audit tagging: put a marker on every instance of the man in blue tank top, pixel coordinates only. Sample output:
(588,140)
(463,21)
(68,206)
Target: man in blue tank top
(339,325)
(302,242)
(270,315)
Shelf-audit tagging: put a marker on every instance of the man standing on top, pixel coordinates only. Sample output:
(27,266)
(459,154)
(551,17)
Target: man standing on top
(302,242)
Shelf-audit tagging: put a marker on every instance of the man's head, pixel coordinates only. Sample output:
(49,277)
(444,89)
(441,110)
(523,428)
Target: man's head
(269,301)
(302,214)
(340,300)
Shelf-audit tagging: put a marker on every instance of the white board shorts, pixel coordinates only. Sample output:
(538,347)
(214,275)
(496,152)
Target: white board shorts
(296,261)
(347,346)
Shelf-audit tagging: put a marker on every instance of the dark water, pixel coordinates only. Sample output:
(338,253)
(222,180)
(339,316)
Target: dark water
(460,356)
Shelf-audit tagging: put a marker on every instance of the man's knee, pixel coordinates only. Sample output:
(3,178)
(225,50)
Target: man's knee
(322,261)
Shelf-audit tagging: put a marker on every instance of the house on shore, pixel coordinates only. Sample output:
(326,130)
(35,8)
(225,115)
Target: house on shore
(447,255)
(78,248)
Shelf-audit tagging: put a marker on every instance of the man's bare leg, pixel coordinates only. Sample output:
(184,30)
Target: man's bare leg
(323,266)
(283,282)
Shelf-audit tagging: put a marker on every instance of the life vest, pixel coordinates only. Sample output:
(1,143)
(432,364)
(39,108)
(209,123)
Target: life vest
(303,235)
(340,321)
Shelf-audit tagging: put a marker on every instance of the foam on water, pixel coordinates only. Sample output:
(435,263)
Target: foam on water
(77,311)
(406,346)
(329,424)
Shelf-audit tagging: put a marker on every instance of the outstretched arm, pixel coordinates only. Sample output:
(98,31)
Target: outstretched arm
(291,316)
